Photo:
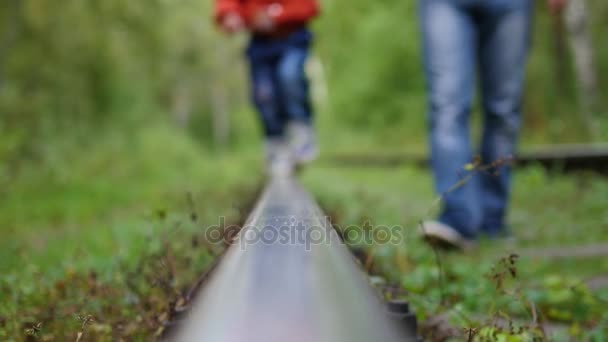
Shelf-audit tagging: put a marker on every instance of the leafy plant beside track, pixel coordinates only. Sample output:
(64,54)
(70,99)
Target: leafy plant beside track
(106,248)
(503,291)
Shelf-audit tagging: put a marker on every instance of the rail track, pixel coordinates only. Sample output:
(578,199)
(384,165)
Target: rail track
(563,158)
(289,277)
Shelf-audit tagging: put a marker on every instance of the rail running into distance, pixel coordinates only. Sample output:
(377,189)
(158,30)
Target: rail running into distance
(289,277)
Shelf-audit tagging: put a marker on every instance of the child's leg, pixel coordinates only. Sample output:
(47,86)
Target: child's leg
(266,96)
(296,103)
(294,84)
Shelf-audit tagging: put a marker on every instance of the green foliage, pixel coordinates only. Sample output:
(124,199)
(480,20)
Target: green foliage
(375,75)
(68,70)
(117,235)
(94,175)
(75,68)
(492,293)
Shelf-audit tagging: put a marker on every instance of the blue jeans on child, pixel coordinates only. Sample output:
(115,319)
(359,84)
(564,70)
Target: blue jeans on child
(280,88)
(461,38)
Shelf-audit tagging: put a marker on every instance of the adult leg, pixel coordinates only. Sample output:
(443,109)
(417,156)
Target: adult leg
(503,49)
(449,39)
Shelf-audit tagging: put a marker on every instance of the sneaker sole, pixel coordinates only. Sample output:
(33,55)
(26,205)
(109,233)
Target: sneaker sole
(445,238)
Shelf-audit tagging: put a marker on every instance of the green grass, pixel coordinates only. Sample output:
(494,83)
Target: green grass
(549,210)
(115,234)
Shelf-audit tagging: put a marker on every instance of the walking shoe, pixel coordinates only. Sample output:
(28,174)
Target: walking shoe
(303,142)
(443,236)
(278,158)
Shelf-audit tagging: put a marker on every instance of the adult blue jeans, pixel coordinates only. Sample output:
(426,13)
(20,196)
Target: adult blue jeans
(462,39)
(280,89)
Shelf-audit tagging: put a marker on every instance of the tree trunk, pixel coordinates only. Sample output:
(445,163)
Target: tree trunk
(576,16)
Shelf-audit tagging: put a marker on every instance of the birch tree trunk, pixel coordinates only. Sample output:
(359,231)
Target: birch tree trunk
(576,16)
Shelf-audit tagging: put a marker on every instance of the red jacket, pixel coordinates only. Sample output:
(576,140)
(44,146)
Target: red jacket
(286,13)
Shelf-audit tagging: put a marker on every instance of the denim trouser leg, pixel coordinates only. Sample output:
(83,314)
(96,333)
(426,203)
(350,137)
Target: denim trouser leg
(457,34)
(294,84)
(504,41)
(267,96)
(449,38)
(280,89)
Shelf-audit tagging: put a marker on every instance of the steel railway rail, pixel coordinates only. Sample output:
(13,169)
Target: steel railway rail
(289,277)
(578,157)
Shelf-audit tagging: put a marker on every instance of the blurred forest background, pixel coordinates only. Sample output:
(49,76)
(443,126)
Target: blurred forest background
(77,72)
(126,125)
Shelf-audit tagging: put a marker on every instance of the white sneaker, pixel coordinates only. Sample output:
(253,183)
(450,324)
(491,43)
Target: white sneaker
(303,142)
(278,158)
(442,235)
